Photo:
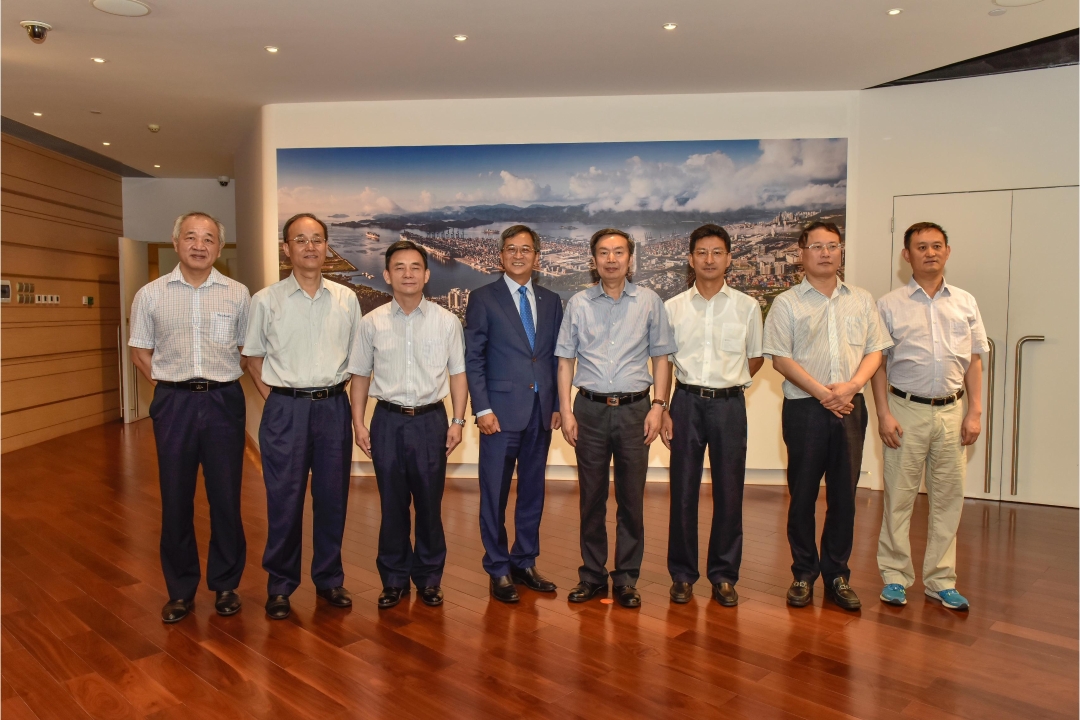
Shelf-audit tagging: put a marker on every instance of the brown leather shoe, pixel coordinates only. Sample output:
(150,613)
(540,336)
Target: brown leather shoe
(724,593)
(176,610)
(800,594)
(681,592)
(841,593)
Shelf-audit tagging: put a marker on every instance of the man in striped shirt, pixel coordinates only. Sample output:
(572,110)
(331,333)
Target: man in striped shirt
(825,337)
(186,331)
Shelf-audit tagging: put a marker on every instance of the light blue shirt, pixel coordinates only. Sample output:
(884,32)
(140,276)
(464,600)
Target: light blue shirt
(614,339)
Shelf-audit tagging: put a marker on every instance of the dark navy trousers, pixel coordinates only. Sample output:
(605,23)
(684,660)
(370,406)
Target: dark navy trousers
(193,429)
(720,425)
(409,456)
(499,453)
(299,436)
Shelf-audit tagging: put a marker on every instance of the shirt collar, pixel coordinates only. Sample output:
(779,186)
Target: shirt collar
(215,277)
(514,286)
(598,289)
(293,286)
(805,287)
(395,309)
(914,287)
(694,292)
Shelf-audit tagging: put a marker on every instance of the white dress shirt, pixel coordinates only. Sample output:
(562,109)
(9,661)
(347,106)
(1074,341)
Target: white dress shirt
(934,338)
(410,358)
(194,331)
(716,337)
(827,336)
(305,340)
(514,287)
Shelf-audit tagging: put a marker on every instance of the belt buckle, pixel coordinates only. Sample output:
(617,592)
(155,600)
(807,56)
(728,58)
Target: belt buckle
(711,394)
(410,411)
(612,401)
(199,387)
(320,394)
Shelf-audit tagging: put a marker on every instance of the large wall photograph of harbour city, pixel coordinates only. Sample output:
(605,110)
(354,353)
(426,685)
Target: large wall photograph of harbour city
(456,199)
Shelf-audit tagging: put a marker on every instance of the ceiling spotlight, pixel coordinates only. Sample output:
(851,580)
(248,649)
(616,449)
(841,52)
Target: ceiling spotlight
(36,30)
(157,166)
(896,11)
(37,114)
(153,127)
(670,26)
(271,49)
(461,38)
(105,143)
(123,8)
(997,12)
(98,60)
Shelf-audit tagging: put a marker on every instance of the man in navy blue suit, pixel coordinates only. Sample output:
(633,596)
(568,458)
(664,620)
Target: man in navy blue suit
(511,327)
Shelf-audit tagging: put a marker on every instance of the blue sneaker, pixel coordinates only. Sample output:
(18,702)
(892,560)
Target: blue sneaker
(950,598)
(894,594)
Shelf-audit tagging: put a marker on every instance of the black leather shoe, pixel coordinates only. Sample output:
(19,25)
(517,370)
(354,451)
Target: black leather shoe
(391,596)
(278,607)
(841,593)
(681,592)
(800,594)
(176,610)
(431,595)
(227,602)
(586,591)
(627,595)
(724,593)
(503,590)
(532,579)
(338,597)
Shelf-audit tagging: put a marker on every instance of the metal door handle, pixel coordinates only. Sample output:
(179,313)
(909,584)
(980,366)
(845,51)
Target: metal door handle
(1016,407)
(989,413)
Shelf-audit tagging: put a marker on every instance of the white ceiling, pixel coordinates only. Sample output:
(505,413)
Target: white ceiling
(198,68)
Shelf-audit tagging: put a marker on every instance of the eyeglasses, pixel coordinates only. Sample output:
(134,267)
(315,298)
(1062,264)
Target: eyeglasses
(315,241)
(818,247)
(524,251)
(703,253)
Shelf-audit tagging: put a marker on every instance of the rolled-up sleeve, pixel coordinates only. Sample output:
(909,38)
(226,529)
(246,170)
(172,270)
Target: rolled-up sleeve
(141,330)
(255,337)
(777,335)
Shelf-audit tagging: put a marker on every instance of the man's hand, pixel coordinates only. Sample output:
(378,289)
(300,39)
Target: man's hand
(969,431)
(839,395)
(556,421)
(488,424)
(362,437)
(569,428)
(666,427)
(453,438)
(890,430)
(653,421)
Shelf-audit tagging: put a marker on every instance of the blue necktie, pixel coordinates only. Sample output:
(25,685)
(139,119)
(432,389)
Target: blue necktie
(526,317)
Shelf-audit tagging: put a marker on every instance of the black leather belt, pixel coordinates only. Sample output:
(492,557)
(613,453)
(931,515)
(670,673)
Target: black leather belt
(196,385)
(312,393)
(406,410)
(613,399)
(708,392)
(947,400)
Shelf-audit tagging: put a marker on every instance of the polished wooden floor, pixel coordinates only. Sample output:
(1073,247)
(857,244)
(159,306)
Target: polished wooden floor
(82,590)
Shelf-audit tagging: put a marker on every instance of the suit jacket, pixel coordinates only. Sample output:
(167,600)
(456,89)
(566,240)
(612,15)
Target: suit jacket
(499,364)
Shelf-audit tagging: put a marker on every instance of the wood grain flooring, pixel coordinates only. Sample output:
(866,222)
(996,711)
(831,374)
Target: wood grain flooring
(81,591)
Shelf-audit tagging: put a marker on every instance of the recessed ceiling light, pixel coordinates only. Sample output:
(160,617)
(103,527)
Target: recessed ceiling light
(37,114)
(670,26)
(996,12)
(98,60)
(896,11)
(271,49)
(105,143)
(461,38)
(157,166)
(124,8)
(1016,3)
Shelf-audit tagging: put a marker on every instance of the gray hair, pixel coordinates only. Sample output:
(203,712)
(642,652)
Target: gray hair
(518,230)
(180,221)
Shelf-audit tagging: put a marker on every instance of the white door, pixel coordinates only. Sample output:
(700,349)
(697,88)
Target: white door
(136,393)
(1043,303)
(978,225)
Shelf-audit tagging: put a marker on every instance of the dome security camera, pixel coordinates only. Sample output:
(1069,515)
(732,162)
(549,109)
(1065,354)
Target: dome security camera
(36,30)
(223,180)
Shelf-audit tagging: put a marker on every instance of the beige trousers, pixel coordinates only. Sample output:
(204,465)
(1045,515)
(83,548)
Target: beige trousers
(931,444)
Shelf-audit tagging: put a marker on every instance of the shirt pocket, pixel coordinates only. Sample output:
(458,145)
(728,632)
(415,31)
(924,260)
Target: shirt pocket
(960,337)
(433,353)
(223,328)
(733,338)
(855,328)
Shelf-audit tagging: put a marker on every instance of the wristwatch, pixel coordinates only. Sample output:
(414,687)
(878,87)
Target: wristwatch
(661,403)
(458,421)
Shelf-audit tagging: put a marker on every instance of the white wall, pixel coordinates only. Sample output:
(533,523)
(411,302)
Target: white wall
(151,205)
(1016,130)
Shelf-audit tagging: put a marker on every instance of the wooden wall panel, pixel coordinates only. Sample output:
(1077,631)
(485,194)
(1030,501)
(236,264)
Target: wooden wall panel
(60,220)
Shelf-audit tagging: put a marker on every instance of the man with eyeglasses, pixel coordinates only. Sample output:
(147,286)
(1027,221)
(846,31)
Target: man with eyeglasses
(718,337)
(939,336)
(825,337)
(187,330)
(511,327)
(298,344)
(611,330)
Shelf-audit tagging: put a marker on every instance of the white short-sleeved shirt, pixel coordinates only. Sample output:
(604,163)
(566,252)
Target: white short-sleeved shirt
(305,340)
(194,331)
(715,337)
(827,336)
(410,358)
(934,338)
